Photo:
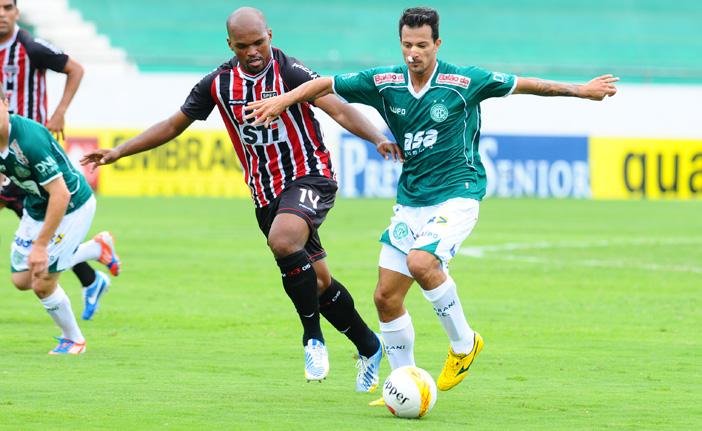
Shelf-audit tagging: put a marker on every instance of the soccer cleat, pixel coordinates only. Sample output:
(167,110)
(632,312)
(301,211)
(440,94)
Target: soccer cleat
(456,366)
(369,369)
(108,257)
(68,347)
(380,402)
(92,294)
(316,360)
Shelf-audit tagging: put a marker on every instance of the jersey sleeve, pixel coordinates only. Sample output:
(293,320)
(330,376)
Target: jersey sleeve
(294,72)
(199,103)
(358,88)
(488,84)
(41,159)
(42,54)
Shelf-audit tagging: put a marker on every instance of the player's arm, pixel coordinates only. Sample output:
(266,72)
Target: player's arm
(267,110)
(59,196)
(154,136)
(74,74)
(352,120)
(596,89)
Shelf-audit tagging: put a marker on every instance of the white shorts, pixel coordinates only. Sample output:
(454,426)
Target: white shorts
(69,235)
(438,229)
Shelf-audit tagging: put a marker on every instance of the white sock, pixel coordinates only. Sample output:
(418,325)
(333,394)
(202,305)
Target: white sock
(89,250)
(59,308)
(398,336)
(447,307)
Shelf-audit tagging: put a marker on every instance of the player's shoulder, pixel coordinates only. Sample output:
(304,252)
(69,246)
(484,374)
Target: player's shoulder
(23,126)
(288,63)
(33,44)
(460,76)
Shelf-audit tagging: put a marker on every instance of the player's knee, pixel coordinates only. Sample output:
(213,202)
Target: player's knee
(420,263)
(282,246)
(323,282)
(386,300)
(22,281)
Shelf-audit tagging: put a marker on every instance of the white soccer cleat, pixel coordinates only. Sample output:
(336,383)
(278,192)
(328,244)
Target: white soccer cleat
(316,360)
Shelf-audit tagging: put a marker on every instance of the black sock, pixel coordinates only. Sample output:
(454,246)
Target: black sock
(336,305)
(300,283)
(85,273)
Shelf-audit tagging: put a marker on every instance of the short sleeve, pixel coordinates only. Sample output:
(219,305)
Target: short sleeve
(199,103)
(358,88)
(486,84)
(41,158)
(295,73)
(42,54)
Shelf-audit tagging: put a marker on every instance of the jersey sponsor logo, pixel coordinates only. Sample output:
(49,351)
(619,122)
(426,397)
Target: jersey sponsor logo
(237,102)
(47,166)
(268,94)
(10,71)
(21,171)
(348,75)
(439,112)
(417,142)
(389,78)
(453,79)
(305,69)
(398,111)
(262,135)
(499,77)
(48,45)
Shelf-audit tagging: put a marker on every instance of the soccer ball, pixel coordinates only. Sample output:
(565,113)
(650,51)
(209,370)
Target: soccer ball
(409,392)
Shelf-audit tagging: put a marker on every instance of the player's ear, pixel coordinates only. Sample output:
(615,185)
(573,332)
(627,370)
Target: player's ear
(438,42)
(270,35)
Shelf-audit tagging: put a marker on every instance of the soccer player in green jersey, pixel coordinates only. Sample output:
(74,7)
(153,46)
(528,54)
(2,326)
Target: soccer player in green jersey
(58,209)
(433,107)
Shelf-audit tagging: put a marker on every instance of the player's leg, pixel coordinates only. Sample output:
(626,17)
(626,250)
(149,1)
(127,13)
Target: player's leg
(438,241)
(101,248)
(337,306)
(95,284)
(394,281)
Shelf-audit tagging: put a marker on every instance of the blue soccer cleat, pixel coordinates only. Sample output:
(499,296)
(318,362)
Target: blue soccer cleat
(92,294)
(316,360)
(369,370)
(68,347)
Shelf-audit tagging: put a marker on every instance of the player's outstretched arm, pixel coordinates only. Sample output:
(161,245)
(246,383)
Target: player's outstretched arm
(266,110)
(596,89)
(154,136)
(352,120)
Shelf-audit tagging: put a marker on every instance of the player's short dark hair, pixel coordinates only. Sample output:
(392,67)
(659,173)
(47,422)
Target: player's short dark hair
(419,16)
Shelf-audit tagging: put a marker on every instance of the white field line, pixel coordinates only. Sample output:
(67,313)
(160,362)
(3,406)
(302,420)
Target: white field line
(501,252)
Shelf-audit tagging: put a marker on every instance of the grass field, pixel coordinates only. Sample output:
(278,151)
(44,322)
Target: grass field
(591,314)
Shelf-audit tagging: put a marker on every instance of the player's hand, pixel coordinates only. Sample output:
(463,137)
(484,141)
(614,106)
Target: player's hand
(99,157)
(265,111)
(56,124)
(38,260)
(599,88)
(390,150)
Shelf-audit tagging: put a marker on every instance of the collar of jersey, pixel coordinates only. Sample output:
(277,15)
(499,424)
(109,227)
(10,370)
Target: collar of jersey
(410,87)
(257,76)
(11,40)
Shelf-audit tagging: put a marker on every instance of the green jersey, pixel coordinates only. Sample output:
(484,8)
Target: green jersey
(32,159)
(438,127)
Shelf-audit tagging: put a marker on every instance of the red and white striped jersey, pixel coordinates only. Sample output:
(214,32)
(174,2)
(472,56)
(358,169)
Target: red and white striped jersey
(24,61)
(273,157)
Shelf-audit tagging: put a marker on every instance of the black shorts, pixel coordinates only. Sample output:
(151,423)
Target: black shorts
(309,198)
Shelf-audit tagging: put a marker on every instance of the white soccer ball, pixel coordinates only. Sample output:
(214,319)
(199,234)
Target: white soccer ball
(409,392)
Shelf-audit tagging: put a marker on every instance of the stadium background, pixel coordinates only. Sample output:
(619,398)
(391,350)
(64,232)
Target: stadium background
(590,308)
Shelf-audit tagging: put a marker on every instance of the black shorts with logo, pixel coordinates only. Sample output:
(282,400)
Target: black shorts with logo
(309,198)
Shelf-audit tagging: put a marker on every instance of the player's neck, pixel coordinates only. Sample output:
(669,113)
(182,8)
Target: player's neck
(419,80)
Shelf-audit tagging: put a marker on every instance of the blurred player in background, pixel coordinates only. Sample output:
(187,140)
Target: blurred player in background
(288,169)
(58,209)
(24,62)
(435,108)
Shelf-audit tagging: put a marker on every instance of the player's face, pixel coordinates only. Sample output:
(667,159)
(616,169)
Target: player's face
(9,14)
(252,47)
(418,44)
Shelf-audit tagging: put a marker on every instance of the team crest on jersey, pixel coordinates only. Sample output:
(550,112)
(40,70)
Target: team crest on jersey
(439,112)
(17,151)
(10,72)
(453,79)
(389,78)
(268,94)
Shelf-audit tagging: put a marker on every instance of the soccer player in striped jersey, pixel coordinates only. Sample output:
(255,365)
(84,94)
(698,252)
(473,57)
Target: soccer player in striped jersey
(435,108)
(289,172)
(24,61)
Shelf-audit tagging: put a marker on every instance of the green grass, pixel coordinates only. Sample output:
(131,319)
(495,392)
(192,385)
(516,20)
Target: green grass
(597,327)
